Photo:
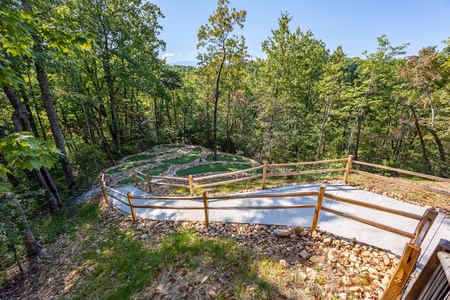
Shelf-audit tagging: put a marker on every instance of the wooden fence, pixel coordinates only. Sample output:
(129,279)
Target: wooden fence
(269,170)
(411,251)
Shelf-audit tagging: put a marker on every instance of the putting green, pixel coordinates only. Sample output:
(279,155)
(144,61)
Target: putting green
(212,168)
(151,172)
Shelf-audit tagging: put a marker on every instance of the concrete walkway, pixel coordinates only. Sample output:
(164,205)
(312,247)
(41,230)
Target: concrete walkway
(303,217)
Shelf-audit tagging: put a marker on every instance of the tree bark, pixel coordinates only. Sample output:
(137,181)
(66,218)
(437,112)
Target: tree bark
(32,246)
(422,143)
(48,103)
(54,124)
(22,123)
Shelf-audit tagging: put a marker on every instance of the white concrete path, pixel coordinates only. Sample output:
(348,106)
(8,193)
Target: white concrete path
(303,217)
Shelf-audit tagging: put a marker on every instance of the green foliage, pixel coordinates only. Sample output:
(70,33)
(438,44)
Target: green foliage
(24,151)
(87,162)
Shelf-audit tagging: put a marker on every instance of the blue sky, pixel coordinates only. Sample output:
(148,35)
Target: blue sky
(354,25)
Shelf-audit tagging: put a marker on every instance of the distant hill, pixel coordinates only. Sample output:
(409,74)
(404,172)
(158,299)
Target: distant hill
(192,63)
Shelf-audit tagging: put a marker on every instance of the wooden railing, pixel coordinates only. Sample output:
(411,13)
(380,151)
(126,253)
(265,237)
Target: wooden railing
(268,170)
(411,251)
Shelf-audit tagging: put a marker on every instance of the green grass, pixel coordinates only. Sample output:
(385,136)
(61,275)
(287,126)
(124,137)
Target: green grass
(212,168)
(118,266)
(146,157)
(141,157)
(190,157)
(151,172)
(226,158)
(126,167)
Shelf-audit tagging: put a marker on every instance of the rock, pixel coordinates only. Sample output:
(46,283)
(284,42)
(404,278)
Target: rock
(327,241)
(373,271)
(212,295)
(355,289)
(298,229)
(346,281)
(365,254)
(317,258)
(281,232)
(98,251)
(304,254)
(386,261)
(144,236)
(283,263)
(303,276)
(353,258)
(333,255)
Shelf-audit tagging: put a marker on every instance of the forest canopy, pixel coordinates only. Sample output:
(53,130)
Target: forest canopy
(85,77)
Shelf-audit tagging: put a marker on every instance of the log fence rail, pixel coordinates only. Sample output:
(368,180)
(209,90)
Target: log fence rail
(412,249)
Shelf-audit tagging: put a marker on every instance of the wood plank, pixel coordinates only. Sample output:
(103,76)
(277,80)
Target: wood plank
(318,208)
(261,207)
(402,273)
(156,198)
(264,175)
(171,184)
(171,178)
(415,186)
(133,210)
(424,226)
(205,206)
(228,181)
(115,191)
(367,222)
(402,171)
(374,206)
(276,195)
(169,207)
(120,200)
(307,163)
(306,172)
(348,167)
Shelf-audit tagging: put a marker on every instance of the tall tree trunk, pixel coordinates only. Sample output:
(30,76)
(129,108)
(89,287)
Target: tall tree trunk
(326,113)
(31,245)
(38,115)
(54,124)
(48,103)
(21,122)
(26,102)
(422,143)
(216,107)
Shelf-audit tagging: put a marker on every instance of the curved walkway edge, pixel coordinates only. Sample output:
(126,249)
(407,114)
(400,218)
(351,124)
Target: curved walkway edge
(303,217)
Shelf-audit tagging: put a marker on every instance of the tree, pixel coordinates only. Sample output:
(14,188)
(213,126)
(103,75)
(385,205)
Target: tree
(290,98)
(425,77)
(23,151)
(48,100)
(223,50)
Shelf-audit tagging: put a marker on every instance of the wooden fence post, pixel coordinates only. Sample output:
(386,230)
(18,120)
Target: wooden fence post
(264,175)
(133,210)
(191,185)
(403,271)
(318,208)
(347,168)
(148,183)
(424,226)
(102,185)
(205,206)
(135,177)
